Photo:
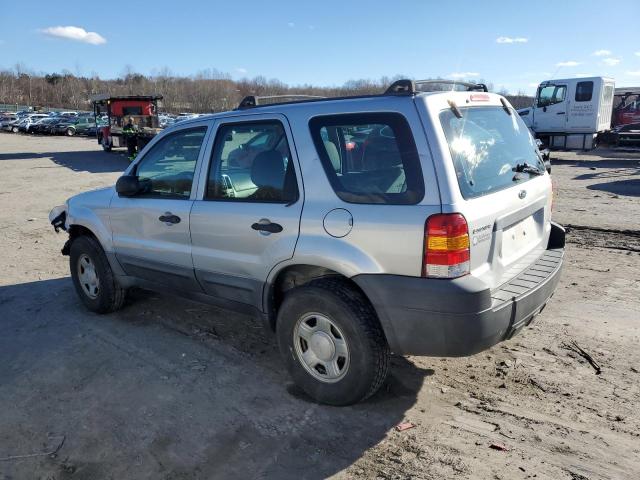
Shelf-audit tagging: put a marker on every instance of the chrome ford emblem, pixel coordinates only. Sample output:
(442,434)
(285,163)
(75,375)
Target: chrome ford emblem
(522,194)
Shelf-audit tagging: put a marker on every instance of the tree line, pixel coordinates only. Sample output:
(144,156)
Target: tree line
(204,92)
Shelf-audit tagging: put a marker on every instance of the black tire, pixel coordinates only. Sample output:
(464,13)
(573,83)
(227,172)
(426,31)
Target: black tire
(110,295)
(70,132)
(356,319)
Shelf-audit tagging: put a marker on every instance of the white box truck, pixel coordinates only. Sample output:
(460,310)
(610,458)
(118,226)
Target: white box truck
(570,113)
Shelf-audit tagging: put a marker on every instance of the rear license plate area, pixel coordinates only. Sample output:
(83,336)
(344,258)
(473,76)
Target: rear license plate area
(519,238)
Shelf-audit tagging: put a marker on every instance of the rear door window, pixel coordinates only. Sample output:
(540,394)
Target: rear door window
(369,157)
(252,163)
(486,145)
(584,91)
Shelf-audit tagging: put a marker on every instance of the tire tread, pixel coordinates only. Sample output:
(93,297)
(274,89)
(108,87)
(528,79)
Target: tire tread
(368,321)
(116,295)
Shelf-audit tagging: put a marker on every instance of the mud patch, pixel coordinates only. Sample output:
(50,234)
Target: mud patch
(604,238)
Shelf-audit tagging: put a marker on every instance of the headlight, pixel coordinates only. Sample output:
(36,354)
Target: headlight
(56,211)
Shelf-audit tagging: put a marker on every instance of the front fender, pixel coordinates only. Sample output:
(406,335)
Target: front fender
(91,210)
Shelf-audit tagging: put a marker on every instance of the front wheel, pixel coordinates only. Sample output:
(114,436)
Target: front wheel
(93,278)
(14,129)
(70,132)
(332,343)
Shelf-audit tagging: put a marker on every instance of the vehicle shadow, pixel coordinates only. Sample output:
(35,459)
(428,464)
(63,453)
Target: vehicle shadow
(82,161)
(629,188)
(167,388)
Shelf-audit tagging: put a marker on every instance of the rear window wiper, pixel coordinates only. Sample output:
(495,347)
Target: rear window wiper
(526,168)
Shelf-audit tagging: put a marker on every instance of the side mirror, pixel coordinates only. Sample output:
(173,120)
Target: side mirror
(128,186)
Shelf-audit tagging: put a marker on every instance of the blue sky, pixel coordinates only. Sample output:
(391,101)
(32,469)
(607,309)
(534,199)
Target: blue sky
(328,42)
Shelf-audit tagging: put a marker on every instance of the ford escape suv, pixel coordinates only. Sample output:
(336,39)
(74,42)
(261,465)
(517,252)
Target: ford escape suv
(414,222)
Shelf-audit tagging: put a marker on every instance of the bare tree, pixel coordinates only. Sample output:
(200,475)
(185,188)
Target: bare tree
(207,91)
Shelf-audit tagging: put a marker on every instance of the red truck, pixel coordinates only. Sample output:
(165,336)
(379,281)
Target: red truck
(625,120)
(132,120)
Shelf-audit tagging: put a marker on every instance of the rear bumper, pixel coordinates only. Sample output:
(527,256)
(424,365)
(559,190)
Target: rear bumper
(460,317)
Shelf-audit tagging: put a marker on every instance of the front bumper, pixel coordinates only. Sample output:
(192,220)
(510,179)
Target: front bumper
(460,317)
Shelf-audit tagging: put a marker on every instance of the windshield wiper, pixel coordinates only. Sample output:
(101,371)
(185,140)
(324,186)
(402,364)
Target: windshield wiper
(526,168)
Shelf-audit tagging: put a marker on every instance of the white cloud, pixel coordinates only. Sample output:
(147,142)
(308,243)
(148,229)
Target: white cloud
(75,33)
(634,74)
(568,63)
(602,53)
(459,75)
(291,24)
(512,40)
(638,54)
(611,61)
(241,70)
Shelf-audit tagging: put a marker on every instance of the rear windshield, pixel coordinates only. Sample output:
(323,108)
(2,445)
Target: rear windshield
(369,157)
(486,145)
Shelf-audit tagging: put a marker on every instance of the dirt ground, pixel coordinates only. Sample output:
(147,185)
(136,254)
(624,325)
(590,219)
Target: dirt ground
(169,389)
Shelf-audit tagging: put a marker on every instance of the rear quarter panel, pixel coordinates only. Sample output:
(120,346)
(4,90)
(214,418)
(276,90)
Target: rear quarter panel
(384,238)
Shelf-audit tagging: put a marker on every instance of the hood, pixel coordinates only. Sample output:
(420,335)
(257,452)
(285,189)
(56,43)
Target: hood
(100,198)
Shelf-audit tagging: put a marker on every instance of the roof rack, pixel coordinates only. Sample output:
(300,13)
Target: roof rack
(399,87)
(251,101)
(411,87)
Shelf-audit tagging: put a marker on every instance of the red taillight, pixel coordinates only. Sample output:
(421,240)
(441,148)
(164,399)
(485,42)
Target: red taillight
(446,246)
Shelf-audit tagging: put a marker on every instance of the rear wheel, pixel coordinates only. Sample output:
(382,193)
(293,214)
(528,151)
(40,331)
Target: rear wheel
(93,278)
(332,343)
(14,129)
(70,132)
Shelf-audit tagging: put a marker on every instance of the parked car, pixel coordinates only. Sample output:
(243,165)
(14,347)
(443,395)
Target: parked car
(73,126)
(6,120)
(10,126)
(437,241)
(42,126)
(92,131)
(166,121)
(31,120)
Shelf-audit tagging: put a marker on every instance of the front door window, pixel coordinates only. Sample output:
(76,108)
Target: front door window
(167,169)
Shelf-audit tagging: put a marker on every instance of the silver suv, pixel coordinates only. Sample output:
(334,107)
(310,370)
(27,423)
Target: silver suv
(413,222)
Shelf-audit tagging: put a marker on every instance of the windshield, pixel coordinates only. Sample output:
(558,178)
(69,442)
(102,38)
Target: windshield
(491,150)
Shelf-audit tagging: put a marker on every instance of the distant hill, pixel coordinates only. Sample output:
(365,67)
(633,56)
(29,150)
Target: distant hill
(207,91)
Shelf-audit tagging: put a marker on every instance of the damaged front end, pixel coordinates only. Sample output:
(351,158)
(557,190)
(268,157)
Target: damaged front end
(58,218)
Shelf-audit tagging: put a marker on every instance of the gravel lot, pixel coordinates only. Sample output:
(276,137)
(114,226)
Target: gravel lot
(169,389)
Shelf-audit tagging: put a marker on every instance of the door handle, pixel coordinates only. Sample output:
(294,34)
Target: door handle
(267,227)
(169,217)
(561,113)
